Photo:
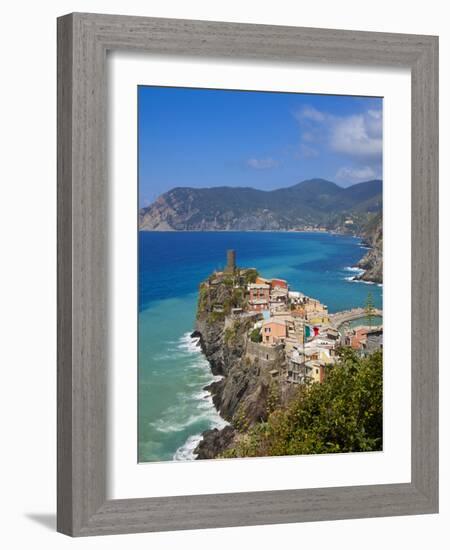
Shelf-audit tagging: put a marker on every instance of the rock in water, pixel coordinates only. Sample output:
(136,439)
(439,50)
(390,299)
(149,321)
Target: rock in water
(214,442)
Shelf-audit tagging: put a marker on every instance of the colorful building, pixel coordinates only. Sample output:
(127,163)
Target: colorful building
(259,296)
(278,283)
(273,331)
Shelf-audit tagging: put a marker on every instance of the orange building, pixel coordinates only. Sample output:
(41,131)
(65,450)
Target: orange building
(280,283)
(358,339)
(274,331)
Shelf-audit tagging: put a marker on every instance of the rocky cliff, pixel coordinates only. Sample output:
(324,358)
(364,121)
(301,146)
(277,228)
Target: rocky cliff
(244,395)
(372,262)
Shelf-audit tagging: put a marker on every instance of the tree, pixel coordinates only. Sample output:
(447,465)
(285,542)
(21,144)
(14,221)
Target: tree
(369,308)
(250,276)
(255,335)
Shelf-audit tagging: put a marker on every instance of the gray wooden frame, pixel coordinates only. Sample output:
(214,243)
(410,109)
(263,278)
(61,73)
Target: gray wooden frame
(83,40)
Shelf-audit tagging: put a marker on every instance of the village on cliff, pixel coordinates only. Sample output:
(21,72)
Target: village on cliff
(291,329)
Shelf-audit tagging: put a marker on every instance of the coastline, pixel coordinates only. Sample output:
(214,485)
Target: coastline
(205,398)
(165,300)
(309,231)
(213,441)
(360,273)
(370,265)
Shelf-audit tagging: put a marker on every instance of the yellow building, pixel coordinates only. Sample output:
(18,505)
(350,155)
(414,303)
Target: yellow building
(318,318)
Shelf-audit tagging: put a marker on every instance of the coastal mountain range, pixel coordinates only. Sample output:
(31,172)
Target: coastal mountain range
(310,203)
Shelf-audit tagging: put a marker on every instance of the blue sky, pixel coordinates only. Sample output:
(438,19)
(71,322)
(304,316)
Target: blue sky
(208,138)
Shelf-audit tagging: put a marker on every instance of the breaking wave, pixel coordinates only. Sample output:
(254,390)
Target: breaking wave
(202,400)
(193,411)
(356,272)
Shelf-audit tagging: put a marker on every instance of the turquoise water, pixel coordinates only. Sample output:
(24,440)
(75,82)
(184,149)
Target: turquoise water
(362,321)
(174,408)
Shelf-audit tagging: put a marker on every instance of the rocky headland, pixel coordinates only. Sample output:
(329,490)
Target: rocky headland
(263,360)
(247,390)
(372,261)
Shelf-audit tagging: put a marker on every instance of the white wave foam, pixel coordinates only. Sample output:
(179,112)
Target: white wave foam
(202,402)
(165,425)
(219,422)
(192,352)
(201,396)
(358,271)
(203,409)
(187,343)
(354,269)
(186,451)
(168,356)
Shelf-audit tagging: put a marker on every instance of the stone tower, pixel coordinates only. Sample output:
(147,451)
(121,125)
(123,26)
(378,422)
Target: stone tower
(231,261)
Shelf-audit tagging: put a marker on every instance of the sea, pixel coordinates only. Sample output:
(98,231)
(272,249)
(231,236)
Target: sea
(174,408)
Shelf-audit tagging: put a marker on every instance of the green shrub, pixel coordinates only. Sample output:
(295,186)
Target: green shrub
(250,276)
(215,316)
(255,335)
(202,299)
(273,397)
(240,421)
(343,414)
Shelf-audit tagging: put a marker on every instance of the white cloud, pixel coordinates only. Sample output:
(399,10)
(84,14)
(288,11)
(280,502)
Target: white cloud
(310,113)
(262,164)
(374,114)
(355,175)
(357,135)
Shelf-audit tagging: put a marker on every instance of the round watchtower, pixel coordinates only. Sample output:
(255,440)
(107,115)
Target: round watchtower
(231,261)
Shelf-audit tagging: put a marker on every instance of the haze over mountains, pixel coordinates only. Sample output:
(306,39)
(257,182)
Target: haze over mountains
(315,202)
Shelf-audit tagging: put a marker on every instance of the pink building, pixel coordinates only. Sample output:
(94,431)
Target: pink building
(259,296)
(274,331)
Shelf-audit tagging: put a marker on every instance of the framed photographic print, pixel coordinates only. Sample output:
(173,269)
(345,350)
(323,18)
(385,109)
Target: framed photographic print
(247,269)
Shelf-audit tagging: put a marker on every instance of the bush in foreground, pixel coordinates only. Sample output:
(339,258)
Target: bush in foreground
(343,414)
